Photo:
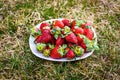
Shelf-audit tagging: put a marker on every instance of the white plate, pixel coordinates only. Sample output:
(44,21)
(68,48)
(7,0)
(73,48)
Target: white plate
(40,55)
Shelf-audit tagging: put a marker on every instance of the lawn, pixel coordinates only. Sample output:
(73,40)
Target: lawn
(17,61)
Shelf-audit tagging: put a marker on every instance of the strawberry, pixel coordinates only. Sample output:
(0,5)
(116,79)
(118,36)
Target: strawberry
(52,39)
(43,25)
(85,24)
(38,39)
(88,33)
(45,31)
(60,41)
(55,54)
(73,24)
(66,22)
(79,39)
(67,49)
(59,23)
(70,54)
(71,38)
(44,38)
(70,44)
(79,31)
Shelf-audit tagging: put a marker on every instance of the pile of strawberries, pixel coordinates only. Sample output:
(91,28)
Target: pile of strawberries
(64,38)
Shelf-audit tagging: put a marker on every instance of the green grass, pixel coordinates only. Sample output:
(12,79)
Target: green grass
(17,60)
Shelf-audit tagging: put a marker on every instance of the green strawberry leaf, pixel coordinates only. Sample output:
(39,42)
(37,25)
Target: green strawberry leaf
(61,51)
(89,47)
(62,35)
(64,46)
(81,36)
(66,30)
(68,33)
(56,36)
(79,22)
(51,46)
(82,22)
(35,32)
(88,26)
(53,31)
(39,32)
(95,46)
(86,40)
(65,52)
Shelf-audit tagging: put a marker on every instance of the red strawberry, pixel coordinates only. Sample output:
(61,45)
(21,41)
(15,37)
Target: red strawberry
(80,40)
(52,39)
(46,31)
(73,25)
(66,22)
(44,25)
(70,44)
(70,54)
(59,24)
(54,53)
(88,33)
(38,39)
(85,24)
(83,45)
(45,37)
(60,41)
(47,47)
(79,31)
(67,49)
(71,38)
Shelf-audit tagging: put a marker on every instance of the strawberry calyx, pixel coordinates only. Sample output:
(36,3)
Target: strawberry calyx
(56,31)
(79,22)
(90,44)
(62,50)
(35,32)
(46,52)
(40,47)
(66,31)
(51,46)
(78,50)
(87,26)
